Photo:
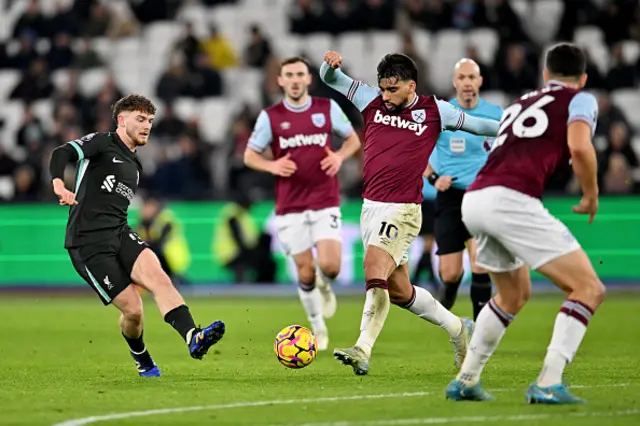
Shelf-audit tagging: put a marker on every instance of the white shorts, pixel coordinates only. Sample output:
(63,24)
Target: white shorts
(512,228)
(391,227)
(299,232)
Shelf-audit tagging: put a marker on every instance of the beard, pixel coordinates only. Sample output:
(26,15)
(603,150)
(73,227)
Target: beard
(395,108)
(135,138)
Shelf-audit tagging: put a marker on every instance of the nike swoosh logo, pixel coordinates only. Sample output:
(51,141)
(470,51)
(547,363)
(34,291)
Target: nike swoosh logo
(115,160)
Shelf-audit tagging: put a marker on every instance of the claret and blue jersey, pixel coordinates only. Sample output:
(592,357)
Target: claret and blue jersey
(461,154)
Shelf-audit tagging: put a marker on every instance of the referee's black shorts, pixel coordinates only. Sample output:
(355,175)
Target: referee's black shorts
(451,234)
(106,266)
(428,210)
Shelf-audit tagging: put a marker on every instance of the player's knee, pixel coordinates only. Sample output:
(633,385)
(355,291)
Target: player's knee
(132,313)
(330,268)
(450,273)
(306,274)
(593,291)
(399,297)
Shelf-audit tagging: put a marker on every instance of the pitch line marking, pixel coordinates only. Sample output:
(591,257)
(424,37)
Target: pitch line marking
(476,419)
(248,404)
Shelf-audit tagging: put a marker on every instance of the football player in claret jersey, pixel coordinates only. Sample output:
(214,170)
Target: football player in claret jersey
(103,249)
(540,133)
(401,130)
(298,133)
(453,165)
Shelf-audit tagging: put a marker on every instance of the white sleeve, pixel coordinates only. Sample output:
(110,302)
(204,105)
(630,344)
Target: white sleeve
(450,116)
(261,136)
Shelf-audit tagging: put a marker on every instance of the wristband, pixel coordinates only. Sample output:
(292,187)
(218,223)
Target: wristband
(432,178)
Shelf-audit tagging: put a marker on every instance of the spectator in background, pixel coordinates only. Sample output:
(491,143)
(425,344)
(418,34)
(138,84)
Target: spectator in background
(618,143)
(219,51)
(189,46)
(173,83)
(122,22)
(60,55)
(31,22)
(608,113)
(186,177)
(204,81)
(502,17)
(169,127)
(594,76)
(376,15)
(85,57)
(26,54)
(339,17)
(437,15)
(98,23)
(468,14)
(63,20)
(26,186)
(621,74)
(31,131)
(409,49)
(304,17)
(7,164)
(514,77)
(236,238)
(258,51)
(413,13)
(618,177)
(615,19)
(35,84)
(159,227)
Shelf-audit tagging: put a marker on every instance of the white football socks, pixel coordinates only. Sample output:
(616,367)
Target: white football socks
(568,332)
(312,303)
(376,309)
(428,308)
(491,325)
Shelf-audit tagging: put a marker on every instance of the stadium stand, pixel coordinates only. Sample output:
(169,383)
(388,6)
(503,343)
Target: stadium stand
(210,66)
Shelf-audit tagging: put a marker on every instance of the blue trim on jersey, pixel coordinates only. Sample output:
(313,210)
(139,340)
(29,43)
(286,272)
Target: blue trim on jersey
(461,154)
(79,150)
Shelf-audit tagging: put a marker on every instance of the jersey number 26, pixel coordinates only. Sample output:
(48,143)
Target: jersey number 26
(536,118)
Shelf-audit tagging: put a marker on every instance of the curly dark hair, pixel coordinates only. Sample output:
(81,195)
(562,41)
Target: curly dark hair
(133,103)
(397,66)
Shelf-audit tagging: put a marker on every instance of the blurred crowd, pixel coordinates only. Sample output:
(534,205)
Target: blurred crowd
(183,164)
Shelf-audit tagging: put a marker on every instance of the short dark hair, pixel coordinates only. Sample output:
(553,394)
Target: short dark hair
(295,60)
(399,66)
(133,103)
(566,60)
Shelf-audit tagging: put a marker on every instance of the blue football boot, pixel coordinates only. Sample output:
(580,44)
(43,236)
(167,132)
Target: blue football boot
(456,391)
(554,395)
(145,365)
(203,339)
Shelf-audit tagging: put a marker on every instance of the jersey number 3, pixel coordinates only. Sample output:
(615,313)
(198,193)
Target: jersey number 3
(534,116)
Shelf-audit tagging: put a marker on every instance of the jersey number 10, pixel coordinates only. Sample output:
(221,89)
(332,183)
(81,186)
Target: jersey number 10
(516,117)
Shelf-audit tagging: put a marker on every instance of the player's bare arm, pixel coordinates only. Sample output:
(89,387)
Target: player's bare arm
(441,183)
(332,163)
(283,166)
(585,166)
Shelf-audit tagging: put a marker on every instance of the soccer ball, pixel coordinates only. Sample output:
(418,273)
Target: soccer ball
(295,346)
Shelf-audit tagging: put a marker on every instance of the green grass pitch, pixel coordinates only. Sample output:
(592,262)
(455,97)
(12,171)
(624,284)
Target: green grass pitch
(63,359)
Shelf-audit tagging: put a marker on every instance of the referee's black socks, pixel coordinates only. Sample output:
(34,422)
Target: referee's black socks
(180,318)
(450,291)
(480,292)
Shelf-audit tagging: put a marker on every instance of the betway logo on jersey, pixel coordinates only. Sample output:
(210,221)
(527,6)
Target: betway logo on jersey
(399,122)
(319,139)
(109,184)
